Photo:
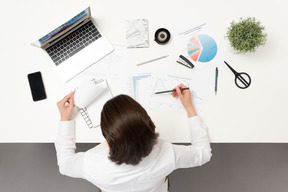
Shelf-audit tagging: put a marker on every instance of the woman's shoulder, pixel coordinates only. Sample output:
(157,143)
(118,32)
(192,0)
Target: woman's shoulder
(99,149)
(162,147)
(162,142)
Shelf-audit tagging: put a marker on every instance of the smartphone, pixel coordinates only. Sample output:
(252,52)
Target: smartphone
(37,86)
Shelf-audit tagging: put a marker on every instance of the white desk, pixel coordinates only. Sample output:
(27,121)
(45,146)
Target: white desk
(258,114)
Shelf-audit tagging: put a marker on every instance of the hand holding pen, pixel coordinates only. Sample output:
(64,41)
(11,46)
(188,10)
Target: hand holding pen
(185,98)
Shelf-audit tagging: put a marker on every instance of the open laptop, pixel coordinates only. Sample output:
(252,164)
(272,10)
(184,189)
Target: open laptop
(75,45)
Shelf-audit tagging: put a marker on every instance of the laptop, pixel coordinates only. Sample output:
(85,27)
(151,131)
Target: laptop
(75,45)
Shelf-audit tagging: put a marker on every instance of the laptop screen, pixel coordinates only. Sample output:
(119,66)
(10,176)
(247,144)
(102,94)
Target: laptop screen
(63,28)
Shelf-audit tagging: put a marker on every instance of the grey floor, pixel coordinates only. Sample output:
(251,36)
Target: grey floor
(233,168)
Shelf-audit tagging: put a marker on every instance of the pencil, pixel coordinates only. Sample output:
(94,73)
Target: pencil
(152,60)
(169,91)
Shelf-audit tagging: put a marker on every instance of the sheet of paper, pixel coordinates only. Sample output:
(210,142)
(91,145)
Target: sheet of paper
(115,68)
(116,63)
(147,87)
(88,92)
(120,84)
(197,43)
(94,108)
(135,82)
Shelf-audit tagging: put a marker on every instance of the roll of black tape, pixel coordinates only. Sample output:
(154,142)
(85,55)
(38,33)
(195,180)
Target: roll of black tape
(162,36)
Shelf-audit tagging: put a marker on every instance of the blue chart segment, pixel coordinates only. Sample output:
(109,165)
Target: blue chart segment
(202,48)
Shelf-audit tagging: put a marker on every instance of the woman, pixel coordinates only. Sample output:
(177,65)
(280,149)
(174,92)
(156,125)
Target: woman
(133,158)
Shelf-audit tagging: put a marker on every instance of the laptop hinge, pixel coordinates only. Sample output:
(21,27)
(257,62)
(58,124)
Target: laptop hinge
(66,33)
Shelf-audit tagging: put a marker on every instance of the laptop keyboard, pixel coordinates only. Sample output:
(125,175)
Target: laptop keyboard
(73,43)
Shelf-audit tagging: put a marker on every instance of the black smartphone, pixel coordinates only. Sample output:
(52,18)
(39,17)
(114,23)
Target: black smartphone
(37,86)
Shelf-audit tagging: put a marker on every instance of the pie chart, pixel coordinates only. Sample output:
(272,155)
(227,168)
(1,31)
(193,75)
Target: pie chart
(202,48)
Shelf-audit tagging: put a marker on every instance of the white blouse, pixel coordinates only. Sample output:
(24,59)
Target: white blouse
(148,176)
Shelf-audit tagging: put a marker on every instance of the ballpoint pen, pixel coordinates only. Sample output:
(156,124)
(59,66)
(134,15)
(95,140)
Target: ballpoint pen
(171,90)
(216,80)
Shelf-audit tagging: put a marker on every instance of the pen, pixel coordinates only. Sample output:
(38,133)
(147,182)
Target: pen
(171,90)
(152,60)
(216,80)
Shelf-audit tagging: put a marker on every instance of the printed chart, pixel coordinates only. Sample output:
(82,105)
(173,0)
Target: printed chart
(146,88)
(202,48)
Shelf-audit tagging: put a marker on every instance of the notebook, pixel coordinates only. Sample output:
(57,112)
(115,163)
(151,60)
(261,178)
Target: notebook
(90,98)
(137,34)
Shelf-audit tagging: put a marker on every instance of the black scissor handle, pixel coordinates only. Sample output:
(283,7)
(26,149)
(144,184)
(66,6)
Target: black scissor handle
(235,72)
(242,80)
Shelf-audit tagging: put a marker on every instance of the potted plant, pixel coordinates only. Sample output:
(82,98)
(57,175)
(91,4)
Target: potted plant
(246,35)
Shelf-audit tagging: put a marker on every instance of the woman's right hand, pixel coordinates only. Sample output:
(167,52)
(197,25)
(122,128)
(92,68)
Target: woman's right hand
(64,110)
(185,98)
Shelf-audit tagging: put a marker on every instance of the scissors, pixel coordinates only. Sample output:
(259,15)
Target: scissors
(242,79)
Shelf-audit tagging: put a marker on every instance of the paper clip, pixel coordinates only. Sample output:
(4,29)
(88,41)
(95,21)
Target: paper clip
(184,61)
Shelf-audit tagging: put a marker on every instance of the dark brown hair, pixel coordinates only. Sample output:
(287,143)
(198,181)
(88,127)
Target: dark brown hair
(128,130)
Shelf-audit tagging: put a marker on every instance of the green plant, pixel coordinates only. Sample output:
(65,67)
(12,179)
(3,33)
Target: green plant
(246,35)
